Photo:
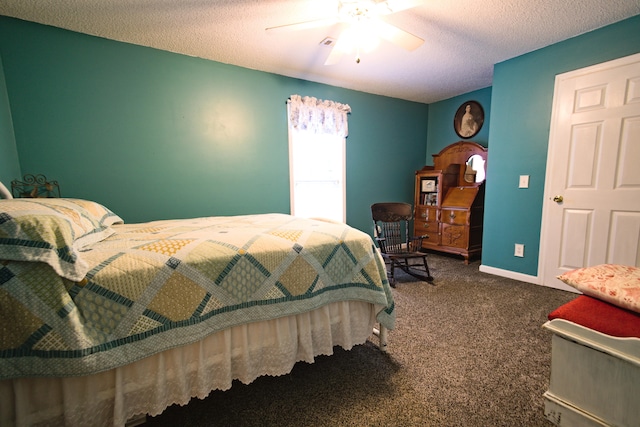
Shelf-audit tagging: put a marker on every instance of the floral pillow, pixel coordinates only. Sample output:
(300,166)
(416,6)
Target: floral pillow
(53,231)
(613,283)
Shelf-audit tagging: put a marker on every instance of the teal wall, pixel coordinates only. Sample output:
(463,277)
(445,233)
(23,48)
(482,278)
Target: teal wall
(9,164)
(441,132)
(521,103)
(153,134)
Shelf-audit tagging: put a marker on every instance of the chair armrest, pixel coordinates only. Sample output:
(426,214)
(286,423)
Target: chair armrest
(418,238)
(414,243)
(381,244)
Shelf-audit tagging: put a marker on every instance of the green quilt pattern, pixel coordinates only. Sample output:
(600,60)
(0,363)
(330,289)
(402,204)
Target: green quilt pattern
(163,284)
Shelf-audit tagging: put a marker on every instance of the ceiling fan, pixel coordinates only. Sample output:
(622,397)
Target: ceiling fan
(364,28)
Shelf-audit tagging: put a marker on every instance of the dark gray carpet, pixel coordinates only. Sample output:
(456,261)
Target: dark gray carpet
(468,350)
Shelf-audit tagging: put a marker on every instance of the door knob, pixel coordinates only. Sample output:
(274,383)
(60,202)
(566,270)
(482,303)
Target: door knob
(558,199)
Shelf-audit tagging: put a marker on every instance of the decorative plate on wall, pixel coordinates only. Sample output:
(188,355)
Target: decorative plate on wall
(468,119)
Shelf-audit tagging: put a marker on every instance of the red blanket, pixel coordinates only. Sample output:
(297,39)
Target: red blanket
(600,316)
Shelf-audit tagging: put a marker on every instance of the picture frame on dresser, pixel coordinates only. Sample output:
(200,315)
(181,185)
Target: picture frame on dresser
(428,185)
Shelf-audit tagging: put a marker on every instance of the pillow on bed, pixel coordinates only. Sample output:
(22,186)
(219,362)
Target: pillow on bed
(53,231)
(4,192)
(613,283)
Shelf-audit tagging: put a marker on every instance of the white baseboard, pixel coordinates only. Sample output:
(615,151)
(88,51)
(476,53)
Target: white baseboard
(510,274)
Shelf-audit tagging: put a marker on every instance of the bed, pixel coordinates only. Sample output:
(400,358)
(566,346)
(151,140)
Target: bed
(595,356)
(102,322)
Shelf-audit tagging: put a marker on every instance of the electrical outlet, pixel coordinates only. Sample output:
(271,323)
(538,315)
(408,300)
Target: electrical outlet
(524,181)
(519,250)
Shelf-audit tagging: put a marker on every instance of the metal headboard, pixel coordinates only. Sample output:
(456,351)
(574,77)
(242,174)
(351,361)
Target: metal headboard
(33,186)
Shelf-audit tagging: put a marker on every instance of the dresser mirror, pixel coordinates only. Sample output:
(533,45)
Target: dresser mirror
(475,169)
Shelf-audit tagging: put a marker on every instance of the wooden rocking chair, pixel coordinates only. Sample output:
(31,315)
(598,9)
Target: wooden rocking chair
(391,232)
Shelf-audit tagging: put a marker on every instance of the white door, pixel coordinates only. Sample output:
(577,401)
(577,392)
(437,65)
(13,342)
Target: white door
(591,209)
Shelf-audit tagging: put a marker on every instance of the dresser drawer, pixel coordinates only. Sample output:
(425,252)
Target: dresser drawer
(422,227)
(455,216)
(432,239)
(426,214)
(430,229)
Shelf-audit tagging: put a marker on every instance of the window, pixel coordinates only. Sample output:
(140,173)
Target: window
(317,175)
(317,136)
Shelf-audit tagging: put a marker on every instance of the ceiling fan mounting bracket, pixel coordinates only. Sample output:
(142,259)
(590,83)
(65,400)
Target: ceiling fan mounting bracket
(352,11)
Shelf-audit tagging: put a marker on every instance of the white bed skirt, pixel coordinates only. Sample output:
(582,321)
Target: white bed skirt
(174,376)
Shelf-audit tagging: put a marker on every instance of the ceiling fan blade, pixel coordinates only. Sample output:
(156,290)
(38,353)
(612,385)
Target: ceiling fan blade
(397,36)
(387,7)
(303,25)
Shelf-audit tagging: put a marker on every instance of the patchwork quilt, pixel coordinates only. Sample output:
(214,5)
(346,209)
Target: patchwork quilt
(164,284)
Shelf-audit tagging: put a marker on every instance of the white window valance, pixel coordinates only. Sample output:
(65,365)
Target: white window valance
(318,116)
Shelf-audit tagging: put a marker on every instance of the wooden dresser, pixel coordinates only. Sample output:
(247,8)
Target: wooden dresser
(449,200)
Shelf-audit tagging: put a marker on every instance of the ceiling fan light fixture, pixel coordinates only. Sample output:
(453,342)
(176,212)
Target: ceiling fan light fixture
(358,37)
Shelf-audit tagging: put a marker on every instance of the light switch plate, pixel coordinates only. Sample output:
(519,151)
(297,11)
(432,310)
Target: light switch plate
(524,181)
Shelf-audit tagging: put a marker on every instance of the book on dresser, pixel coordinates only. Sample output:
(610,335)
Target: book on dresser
(449,200)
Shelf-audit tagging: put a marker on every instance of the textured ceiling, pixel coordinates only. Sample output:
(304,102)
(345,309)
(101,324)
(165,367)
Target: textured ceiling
(463,38)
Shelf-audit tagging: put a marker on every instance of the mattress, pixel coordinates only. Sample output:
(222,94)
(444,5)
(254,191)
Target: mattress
(163,284)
